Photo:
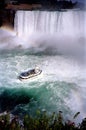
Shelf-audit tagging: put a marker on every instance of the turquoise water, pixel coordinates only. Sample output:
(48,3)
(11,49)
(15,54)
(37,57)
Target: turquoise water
(54,41)
(57,88)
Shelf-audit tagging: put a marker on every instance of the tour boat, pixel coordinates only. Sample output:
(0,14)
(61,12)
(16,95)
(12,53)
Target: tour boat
(30,73)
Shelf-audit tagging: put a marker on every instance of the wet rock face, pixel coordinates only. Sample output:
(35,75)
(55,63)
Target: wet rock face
(2,4)
(0,22)
(7,17)
(2,8)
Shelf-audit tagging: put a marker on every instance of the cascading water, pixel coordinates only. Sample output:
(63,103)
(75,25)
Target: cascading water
(56,42)
(56,30)
(68,22)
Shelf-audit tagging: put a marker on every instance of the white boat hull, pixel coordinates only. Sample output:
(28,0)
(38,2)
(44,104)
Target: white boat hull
(27,75)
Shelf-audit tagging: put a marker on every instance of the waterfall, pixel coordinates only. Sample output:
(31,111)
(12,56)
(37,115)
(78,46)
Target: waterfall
(68,22)
(56,42)
(61,32)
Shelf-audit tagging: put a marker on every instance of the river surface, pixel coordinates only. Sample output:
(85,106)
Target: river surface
(62,84)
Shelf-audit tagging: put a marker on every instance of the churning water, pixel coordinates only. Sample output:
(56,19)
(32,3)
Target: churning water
(55,41)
